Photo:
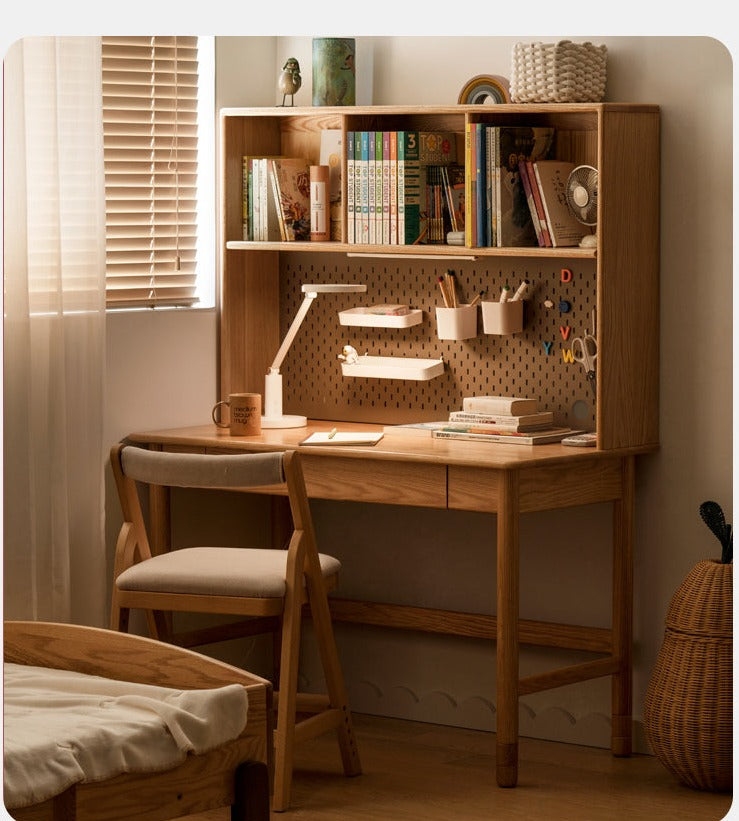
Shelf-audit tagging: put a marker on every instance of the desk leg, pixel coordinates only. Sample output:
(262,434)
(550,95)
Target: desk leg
(507,631)
(623,594)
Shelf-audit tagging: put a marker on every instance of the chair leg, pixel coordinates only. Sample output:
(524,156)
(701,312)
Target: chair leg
(288,686)
(118,615)
(335,686)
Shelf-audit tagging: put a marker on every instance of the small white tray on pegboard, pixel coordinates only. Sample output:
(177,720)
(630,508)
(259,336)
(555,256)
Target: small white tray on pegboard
(394,367)
(361,317)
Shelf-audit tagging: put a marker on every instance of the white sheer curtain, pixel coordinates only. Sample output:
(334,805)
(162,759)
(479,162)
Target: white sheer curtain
(54,331)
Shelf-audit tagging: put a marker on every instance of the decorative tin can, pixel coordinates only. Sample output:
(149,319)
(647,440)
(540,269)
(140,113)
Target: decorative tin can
(333,71)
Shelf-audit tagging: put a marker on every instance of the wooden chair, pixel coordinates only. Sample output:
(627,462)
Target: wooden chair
(267,585)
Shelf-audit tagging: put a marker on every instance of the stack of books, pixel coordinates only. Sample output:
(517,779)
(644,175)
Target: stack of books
(506,419)
(498,213)
(545,184)
(400,190)
(275,199)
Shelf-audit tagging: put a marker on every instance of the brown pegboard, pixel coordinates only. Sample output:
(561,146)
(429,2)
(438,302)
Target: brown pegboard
(502,365)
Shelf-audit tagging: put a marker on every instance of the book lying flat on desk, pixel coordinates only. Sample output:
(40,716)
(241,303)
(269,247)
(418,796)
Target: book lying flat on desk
(415,428)
(541,437)
(530,421)
(325,437)
(509,405)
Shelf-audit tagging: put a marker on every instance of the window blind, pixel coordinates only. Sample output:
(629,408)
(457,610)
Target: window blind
(150,90)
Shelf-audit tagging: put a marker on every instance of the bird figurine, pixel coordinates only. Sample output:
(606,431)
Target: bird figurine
(289,80)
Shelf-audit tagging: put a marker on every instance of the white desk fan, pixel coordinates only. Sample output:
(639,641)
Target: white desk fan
(582,199)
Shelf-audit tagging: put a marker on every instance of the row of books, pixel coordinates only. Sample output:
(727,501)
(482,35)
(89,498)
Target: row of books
(399,186)
(515,194)
(275,199)
(509,420)
(411,189)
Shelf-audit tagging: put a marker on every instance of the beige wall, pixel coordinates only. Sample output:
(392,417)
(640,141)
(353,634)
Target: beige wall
(438,558)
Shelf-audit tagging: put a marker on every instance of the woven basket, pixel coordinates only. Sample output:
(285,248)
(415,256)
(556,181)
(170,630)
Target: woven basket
(688,705)
(563,72)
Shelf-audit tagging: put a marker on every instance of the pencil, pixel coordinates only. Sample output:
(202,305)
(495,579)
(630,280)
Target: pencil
(450,281)
(477,298)
(442,288)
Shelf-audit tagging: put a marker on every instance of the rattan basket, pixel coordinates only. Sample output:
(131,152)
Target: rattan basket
(688,705)
(563,72)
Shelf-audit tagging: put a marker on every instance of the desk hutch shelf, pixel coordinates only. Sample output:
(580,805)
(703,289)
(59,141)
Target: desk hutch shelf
(618,279)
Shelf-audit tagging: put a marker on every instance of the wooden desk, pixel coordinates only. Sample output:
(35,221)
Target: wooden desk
(503,479)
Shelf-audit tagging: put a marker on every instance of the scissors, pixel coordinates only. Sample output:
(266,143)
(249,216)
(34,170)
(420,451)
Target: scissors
(585,351)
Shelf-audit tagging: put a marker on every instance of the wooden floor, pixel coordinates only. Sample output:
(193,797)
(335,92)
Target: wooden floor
(416,771)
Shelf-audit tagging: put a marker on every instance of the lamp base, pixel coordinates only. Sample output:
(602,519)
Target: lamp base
(284,421)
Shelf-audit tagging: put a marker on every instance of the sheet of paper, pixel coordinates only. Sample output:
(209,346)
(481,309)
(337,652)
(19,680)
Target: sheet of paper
(342,438)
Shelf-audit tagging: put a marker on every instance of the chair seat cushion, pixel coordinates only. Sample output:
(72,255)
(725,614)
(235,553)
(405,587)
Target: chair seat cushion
(221,571)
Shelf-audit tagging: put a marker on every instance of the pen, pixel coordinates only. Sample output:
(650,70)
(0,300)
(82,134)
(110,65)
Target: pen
(520,291)
(504,294)
(332,433)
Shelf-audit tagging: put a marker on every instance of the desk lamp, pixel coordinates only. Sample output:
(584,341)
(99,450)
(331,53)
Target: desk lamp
(273,415)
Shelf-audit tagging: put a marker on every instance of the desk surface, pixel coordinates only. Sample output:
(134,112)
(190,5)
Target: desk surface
(393,447)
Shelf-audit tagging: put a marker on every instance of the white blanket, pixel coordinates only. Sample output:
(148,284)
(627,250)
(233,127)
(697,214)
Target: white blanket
(63,728)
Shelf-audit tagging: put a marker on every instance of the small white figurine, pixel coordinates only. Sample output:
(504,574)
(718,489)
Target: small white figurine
(349,355)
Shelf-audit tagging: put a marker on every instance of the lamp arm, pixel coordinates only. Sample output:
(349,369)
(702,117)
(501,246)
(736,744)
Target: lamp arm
(292,331)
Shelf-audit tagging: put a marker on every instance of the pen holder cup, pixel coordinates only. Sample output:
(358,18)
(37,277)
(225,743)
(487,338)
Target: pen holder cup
(456,323)
(502,317)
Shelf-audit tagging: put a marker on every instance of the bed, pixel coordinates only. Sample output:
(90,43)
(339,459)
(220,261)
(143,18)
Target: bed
(234,772)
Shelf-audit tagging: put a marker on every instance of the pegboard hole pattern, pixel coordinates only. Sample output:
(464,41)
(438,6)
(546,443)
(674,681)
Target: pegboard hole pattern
(517,365)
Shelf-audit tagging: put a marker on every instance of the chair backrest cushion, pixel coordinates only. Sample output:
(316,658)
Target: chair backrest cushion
(202,469)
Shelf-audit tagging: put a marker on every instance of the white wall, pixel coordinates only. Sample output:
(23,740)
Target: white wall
(565,556)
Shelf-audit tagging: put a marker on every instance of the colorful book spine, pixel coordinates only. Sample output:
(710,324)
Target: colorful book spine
(364,186)
(271,219)
(401,187)
(350,186)
(480,163)
(411,188)
(526,183)
(470,223)
(245,199)
(257,199)
(275,191)
(358,186)
(378,188)
(386,188)
(538,203)
(372,237)
(393,187)
(491,232)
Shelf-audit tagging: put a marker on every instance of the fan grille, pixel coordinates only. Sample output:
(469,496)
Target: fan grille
(582,194)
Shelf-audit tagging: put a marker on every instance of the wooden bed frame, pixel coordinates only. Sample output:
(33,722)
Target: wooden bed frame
(235,774)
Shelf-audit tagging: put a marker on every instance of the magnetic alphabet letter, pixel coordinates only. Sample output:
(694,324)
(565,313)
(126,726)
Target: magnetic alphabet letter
(566,275)
(567,355)
(547,347)
(565,331)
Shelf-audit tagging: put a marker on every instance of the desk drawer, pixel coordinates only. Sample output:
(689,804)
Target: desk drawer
(541,488)
(374,480)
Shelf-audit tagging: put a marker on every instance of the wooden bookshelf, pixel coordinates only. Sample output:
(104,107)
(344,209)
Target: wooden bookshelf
(621,140)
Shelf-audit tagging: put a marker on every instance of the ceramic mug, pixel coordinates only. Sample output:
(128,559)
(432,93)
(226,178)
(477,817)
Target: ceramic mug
(245,414)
